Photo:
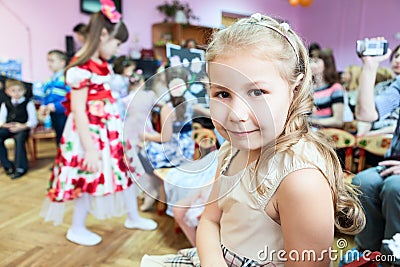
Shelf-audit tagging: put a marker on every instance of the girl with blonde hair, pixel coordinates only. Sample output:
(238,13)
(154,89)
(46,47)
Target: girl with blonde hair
(279,189)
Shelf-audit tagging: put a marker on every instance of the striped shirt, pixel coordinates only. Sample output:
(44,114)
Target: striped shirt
(385,103)
(325,97)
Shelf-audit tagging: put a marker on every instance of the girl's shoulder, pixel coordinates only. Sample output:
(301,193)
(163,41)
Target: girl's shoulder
(302,155)
(77,77)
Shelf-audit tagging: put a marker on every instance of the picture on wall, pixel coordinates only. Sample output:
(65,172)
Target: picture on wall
(92,6)
(194,61)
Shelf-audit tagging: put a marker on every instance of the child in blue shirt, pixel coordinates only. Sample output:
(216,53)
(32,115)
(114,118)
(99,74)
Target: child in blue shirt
(55,91)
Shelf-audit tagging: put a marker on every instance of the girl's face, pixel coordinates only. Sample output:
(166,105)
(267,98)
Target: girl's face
(346,76)
(249,100)
(396,62)
(317,65)
(109,46)
(128,71)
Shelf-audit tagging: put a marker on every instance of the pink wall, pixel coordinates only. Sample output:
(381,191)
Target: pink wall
(339,23)
(31,28)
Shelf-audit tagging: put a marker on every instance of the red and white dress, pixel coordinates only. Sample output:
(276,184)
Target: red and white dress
(110,189)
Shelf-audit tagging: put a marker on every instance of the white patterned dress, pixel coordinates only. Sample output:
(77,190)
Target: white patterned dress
(109,189)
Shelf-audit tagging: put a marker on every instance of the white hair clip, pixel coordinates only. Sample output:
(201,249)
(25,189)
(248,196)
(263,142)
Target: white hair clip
(256,16)
(285,26)
(282,30)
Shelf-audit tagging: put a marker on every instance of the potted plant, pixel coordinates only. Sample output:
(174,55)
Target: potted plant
(177,11)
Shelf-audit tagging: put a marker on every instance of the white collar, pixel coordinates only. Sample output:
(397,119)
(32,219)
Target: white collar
(18,101)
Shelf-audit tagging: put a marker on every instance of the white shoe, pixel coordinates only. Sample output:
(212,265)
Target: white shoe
(86,238)
(141,224)
(147,203)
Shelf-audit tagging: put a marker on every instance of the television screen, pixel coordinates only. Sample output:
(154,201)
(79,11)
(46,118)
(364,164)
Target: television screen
(92,6)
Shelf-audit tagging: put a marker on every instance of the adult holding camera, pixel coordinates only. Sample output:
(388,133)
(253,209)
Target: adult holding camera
(380,187)
(386,123)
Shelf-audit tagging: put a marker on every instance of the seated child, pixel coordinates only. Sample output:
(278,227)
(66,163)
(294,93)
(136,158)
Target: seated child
(123,67)
(17,117)
(173,146)
(55,91)
(187,189)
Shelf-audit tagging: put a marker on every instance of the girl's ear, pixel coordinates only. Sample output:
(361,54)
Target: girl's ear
(297,83)
(298,80)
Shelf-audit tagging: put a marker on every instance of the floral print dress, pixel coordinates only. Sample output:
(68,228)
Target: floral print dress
(120,165)
(179,150)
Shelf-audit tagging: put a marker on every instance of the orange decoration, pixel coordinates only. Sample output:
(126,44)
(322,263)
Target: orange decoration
(293,2)
(305,3)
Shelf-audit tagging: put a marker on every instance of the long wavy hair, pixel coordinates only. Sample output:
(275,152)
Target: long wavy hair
(354,71)
(330,73)
(292,60)
(97,23)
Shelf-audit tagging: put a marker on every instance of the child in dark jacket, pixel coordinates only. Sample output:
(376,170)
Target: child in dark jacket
(17,117)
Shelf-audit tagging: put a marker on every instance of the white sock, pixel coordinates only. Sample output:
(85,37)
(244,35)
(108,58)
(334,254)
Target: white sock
(81,211)
(78,233)
(132,205)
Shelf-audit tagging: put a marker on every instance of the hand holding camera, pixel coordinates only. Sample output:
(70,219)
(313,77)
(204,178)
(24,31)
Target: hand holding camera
(372,47)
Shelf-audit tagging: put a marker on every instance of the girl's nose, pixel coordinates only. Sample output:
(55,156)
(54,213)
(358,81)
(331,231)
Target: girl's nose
(239,111)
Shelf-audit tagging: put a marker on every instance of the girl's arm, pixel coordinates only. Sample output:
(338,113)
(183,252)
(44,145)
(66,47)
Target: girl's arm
(78,108)
(306,212)
(207,236)
(166,120)
(335,121)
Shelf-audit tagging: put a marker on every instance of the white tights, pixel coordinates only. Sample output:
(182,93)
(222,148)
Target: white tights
(82,204)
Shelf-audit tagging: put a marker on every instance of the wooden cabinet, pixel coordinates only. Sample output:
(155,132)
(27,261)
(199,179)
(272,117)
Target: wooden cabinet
(176,33)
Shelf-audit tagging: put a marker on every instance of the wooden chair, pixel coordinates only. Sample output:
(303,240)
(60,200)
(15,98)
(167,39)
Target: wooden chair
(39,133)
(161,204)
(9,143)
(375,144)
(341,139)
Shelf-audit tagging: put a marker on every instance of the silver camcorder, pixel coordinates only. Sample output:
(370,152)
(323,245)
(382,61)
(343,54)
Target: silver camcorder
(372,47)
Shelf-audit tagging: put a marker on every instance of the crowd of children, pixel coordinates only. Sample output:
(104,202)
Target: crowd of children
(271,175)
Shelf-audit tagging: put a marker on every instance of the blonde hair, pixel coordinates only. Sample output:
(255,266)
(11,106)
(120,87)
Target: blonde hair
(13,82)
(383,74)
(267,43)
(354,71)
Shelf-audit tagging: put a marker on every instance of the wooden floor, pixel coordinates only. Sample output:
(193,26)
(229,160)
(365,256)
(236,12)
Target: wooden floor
(26,240)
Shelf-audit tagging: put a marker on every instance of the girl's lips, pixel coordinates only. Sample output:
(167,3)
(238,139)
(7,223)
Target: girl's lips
(242,134)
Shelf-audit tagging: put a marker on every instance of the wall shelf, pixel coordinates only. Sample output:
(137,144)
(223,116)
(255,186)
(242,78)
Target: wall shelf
(176,33)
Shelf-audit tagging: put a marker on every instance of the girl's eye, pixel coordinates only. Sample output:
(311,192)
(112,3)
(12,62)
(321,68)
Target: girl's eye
(256,92)
(222,94)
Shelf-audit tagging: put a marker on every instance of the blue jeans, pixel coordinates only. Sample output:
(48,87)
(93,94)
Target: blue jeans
(381,203)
